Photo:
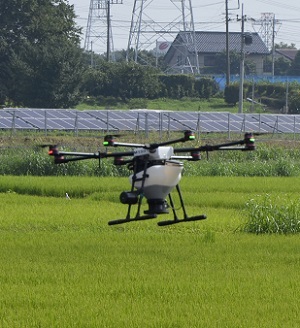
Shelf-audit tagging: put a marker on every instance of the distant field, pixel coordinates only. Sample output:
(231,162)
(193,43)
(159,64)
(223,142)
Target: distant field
(63,266)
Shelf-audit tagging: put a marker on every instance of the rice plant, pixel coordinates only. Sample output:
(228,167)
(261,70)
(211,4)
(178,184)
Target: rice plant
(267,216)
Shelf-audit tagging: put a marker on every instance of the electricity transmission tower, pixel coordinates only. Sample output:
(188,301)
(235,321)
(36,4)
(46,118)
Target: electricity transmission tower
(267,31)
(98,37)
(267,28)
(147,31)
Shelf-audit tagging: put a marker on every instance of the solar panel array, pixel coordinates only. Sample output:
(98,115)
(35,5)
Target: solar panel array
(145,120)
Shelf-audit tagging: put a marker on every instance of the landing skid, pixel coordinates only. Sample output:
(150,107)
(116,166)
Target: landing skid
(188,219)
(139,218)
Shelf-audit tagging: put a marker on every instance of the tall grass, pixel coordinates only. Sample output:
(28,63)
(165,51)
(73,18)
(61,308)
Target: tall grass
(265,161)
(268,215)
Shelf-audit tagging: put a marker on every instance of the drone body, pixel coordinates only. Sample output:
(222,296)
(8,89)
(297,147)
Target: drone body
(156,171)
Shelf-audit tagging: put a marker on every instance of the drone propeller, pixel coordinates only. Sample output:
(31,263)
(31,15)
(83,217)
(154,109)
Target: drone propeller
(46,145)
(109,141)
(260,133)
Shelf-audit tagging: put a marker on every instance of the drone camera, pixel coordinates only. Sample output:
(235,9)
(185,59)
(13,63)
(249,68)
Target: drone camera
(129,197)
(249,141)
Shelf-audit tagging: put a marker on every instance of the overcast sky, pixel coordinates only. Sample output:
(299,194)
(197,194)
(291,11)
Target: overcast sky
(209,15)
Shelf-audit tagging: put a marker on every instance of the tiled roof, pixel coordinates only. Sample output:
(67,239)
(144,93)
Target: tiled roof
(287,53)
(215,42)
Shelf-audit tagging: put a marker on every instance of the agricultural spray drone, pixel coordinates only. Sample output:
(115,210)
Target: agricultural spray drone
(156,171)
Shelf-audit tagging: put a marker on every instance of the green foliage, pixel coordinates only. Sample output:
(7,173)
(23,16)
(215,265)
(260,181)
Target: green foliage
(273,95)
(267,215)
(220,64)
(128,81)
(231,94)
(205,88)
(267,160)
(42,53)
(137,103)
(295,66)
(267,89)
(273,102)
(281,66)
(136,81)
(121,80)
(294,101)
(177,86)
(283,45)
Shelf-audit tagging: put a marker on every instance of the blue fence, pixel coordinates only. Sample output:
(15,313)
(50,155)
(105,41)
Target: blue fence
(221,79)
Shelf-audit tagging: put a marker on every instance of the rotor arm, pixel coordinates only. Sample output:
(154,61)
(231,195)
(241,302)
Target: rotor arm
(247,143)
(58,159)
(188,136)
(61,157)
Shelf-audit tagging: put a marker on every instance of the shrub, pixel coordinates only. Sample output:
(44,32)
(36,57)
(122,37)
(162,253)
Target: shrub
(294,102)
(231,94)
(138,103)
(266,216)
(206,88)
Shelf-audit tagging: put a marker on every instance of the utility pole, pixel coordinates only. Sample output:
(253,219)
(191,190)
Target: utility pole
(287,98)
(108,32)
(273,47)
(242,64)
(227,40)
(246,39)
(227,45)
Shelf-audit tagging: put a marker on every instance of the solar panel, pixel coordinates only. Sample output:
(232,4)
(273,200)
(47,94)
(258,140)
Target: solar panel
(147,120)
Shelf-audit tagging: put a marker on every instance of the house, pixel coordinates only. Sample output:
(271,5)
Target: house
(181,58)
(286,53)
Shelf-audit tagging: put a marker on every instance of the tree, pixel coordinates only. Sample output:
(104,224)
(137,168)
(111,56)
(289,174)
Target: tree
(283,45)
(136,81)
(231,94)
(295,65)
(235,61)
(121,80)
(41,47)
(281,66)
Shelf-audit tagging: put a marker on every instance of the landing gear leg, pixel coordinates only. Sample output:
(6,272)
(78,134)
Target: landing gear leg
(186,218)
(140,197)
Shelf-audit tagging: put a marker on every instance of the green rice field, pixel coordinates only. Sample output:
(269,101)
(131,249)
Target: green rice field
(62,265)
